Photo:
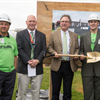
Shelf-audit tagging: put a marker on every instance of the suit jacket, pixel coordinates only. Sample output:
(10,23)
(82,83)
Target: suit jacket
(24,49)
(85,46)
(55,45)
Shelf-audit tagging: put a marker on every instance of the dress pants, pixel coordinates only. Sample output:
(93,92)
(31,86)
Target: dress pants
(91,87)
(23,83)
(66,74)
(7,82)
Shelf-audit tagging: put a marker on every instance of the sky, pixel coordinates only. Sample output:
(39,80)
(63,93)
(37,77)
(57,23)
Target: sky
(18,10)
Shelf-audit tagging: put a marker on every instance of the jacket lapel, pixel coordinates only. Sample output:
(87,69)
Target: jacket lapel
(36,37)
(71,38)
(88,41)
(27,36)
(97,38)
(59,37)
(88,38)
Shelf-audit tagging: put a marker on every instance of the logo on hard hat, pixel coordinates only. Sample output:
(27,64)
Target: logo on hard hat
(8,19)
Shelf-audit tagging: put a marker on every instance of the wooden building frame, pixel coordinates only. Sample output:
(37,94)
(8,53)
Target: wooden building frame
(44,17)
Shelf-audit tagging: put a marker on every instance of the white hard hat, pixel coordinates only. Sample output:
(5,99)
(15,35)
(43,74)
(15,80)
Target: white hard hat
(5,17)
(94,16)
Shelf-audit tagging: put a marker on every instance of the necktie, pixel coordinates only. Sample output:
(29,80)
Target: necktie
(32,46)
(65,45)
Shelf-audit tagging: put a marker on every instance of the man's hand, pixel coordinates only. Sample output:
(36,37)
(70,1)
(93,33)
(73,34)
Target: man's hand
(55,55)
(33,62)
(75,58)
(82,58)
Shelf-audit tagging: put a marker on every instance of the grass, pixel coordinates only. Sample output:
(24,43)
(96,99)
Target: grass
(77,90)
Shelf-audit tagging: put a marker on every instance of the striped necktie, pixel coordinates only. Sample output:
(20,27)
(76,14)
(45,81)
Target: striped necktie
(32,46)
(64,45)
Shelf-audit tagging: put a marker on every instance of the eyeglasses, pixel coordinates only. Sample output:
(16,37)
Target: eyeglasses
(65,21)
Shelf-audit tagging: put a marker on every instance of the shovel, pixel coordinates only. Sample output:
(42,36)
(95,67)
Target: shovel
(95,57)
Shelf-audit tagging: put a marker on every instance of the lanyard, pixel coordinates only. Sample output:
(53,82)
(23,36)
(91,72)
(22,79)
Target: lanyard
(31,38)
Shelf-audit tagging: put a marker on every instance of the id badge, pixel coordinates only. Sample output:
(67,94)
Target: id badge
(98,41)
(1,40)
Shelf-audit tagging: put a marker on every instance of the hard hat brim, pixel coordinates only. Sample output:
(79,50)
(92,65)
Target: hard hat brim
(5,21)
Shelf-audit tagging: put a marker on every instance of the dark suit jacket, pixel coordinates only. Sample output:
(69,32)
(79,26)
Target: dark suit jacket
(24,49)
(85,46)
(55,45)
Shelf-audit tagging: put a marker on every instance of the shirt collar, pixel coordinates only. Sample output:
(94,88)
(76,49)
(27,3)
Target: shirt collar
(4,36)
(31,31)
(63,31)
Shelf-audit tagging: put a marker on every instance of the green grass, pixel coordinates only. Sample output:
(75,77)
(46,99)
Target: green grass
(76,86)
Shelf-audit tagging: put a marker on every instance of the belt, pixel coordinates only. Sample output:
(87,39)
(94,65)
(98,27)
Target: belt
(65,61)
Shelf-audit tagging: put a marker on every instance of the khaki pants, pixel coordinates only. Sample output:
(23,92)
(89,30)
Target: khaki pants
(23,83)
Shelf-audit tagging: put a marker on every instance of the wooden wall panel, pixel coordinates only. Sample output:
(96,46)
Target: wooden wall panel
(44,14)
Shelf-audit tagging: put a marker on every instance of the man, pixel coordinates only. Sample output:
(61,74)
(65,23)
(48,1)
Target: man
(62,67)
(89,42)
(8,59)
(31,46)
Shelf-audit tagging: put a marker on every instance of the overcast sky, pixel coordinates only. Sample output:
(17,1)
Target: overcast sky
(18,10)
